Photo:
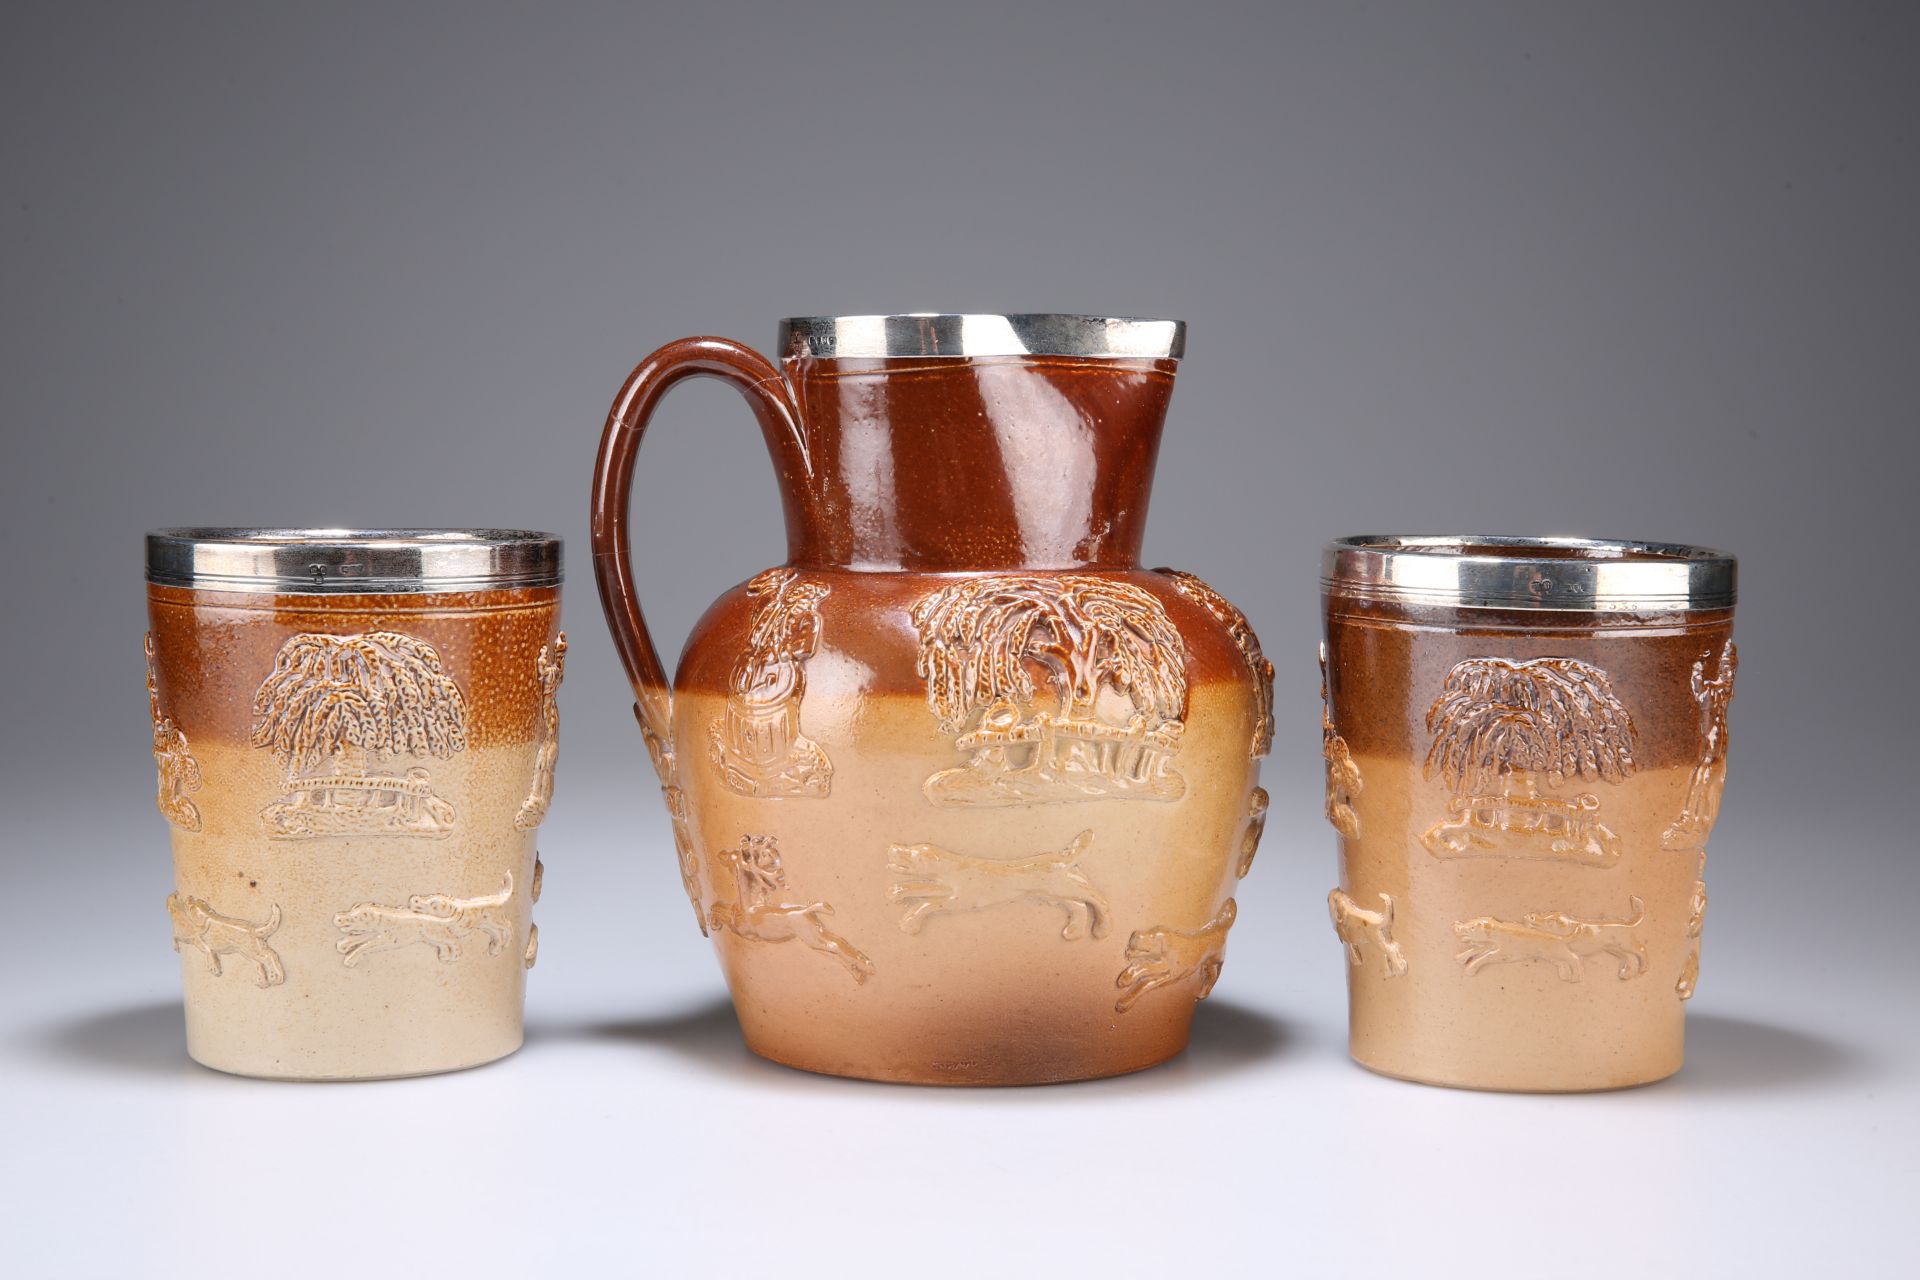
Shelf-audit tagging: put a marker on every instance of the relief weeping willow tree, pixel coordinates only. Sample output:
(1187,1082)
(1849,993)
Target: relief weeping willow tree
(760,911)
(1499,728)
(1117,669)
(338,709)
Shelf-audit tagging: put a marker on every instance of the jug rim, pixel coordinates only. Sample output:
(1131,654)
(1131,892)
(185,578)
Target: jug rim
(355,561)
(966,334)
(1498,572)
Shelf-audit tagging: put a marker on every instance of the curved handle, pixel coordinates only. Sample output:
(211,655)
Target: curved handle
(756,378)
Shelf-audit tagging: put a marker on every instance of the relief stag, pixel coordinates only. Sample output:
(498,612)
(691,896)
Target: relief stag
(758,914)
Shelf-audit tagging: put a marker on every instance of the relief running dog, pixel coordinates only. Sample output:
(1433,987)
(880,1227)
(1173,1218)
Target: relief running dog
(1556,938)
(933,880)
(197,925)
(436,920)
(1356,926)
(1158,957)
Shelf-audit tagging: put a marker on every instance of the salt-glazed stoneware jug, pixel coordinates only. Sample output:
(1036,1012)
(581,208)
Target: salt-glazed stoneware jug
(960,791)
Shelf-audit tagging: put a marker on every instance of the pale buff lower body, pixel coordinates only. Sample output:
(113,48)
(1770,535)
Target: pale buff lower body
(993,995)
(404,1006)
(1537,1015)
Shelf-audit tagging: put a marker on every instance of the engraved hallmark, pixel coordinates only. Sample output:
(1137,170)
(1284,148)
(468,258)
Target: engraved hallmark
(1500,727)
(1161,956)
(757,741)
(1554,938)
(1360,928)
(758,915)
(338,712)
(197,925)
(932,880)
(551,666)
(1117,668)
(436,920)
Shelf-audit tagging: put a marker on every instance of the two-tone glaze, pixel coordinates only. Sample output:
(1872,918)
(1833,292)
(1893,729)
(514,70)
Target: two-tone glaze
(997,779)
(356,866)
(1541,726)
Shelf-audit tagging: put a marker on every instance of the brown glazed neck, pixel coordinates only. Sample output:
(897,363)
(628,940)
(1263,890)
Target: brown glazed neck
(935,464)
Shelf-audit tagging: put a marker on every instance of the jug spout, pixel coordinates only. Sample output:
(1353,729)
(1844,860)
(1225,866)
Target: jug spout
(944,443)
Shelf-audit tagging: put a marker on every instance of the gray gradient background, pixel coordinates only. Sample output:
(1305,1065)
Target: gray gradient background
(1641,270)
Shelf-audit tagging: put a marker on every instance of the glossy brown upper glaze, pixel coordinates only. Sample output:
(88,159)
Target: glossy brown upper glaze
(868,619)
(1030,462)
(1385,662)
(213,648)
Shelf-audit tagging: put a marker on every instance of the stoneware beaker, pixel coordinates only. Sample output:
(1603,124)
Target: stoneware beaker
(355,734)
(960,791)
(1525,742)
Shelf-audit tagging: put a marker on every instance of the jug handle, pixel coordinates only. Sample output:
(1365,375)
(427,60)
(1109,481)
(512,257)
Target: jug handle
(765,390)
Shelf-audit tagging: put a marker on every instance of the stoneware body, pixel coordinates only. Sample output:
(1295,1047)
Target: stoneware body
(354,780)
(1525,745)
(961,792)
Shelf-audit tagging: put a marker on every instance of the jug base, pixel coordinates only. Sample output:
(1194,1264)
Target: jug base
(1054,1070)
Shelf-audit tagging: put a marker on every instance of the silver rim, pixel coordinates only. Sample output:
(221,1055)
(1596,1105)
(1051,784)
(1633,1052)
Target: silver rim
(367,561)
(944,334)
(1578,574)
